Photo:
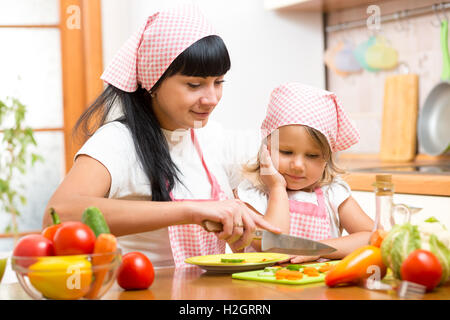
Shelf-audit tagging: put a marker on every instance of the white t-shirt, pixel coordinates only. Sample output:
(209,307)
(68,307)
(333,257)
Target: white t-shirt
(223,151)
(334,194)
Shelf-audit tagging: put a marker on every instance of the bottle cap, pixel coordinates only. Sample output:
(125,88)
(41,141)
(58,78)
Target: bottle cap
(383,184)
(386,178)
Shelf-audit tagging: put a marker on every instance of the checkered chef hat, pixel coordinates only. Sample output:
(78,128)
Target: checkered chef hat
(296,103)
(149,52)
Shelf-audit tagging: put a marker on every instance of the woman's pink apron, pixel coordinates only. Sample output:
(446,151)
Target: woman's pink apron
(189,240)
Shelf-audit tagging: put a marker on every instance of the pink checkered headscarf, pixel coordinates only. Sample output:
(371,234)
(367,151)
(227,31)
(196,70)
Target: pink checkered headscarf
(296,103)
(149,52)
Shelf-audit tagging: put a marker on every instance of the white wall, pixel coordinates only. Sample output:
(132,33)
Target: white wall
(266,49)
(432,206)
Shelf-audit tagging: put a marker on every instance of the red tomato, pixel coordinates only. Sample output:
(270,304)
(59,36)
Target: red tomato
(135,272)
(74,237)
(422,266)
(33,245)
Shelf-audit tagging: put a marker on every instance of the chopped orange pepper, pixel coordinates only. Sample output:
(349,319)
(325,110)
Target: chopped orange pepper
(311,272)
(326,267)
(288,274)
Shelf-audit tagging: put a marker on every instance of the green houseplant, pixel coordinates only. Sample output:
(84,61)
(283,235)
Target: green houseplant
(15,158)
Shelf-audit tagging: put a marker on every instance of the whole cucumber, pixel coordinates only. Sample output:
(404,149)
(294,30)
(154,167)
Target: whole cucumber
(94,218)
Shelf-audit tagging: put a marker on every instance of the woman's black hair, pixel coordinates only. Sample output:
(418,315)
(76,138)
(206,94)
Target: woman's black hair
(206,57)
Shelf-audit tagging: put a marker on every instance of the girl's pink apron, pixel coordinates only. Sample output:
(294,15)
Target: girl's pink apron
(190,240)
(309,220)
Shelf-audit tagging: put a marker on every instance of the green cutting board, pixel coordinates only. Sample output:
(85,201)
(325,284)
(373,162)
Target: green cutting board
(253,275)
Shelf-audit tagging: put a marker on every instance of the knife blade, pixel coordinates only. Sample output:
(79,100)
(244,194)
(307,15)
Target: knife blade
(281,243)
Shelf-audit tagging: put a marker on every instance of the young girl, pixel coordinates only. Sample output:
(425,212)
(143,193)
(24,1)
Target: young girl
(295,183)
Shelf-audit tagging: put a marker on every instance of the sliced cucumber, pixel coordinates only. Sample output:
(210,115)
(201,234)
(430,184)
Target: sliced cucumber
(295,267)
(231,260)
(271,269)
(266,274)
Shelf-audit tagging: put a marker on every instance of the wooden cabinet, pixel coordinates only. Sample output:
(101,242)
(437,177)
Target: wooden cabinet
(406,176)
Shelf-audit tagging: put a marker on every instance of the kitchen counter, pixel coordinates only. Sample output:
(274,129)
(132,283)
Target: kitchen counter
(193,283)
(425,175)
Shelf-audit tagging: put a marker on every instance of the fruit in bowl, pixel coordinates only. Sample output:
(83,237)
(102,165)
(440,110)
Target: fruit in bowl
(67,277)
(3,262)
(75,260)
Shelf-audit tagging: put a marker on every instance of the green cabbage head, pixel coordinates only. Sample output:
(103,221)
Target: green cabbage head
(429,235)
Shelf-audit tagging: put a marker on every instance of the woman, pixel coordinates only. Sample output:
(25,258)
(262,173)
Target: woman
(166,80)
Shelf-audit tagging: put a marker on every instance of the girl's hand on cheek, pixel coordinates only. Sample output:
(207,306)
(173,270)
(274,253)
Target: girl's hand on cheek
(268,174)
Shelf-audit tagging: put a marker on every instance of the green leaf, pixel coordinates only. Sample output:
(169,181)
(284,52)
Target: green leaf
(415,239)
(21,168)
(23,200)
(8,135)
(387,244)
(443,254)
(432,219)
(35,157)
(11,194)
(4,186)
(15,145)
(408,240)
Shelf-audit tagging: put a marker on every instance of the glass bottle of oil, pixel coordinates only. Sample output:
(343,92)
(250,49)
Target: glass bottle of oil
(384,203)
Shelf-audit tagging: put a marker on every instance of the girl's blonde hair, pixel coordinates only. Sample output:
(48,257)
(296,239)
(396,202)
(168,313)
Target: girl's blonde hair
(251,170)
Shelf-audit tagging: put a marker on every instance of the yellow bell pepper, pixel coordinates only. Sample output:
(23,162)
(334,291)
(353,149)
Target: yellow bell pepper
(61,277)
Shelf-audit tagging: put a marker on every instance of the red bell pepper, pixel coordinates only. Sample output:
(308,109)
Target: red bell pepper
(50,231)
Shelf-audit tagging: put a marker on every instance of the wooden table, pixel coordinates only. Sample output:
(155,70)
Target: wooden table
(193,283)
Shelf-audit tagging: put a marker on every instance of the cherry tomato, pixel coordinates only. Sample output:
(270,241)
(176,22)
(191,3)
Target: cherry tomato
(74,237)
(33,245)
(423,267)
(136,272)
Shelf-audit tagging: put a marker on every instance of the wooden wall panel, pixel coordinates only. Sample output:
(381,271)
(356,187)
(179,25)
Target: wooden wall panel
(93,51)
(81,47)
(74,90)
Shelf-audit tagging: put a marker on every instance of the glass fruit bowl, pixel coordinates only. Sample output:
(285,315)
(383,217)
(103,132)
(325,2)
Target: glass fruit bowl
(87,276)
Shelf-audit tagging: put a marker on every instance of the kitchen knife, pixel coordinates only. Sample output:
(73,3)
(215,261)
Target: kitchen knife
(281,243)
